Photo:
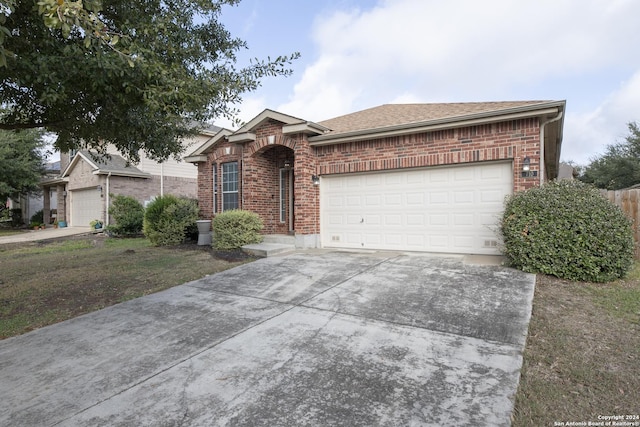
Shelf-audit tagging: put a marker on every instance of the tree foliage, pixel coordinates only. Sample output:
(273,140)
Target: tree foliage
(22,162)
(619,167)
(137,74)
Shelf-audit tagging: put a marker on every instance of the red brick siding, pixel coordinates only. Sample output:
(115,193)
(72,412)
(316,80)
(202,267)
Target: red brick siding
(263,162)
(260,162)
(511,140)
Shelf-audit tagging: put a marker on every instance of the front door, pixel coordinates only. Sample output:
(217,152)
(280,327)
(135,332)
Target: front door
(286,198)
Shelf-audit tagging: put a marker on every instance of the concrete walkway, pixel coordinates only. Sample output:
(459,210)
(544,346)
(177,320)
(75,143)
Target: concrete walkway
(314,338)
(46,234)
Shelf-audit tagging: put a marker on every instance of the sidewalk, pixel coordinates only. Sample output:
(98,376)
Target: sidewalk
(47,233)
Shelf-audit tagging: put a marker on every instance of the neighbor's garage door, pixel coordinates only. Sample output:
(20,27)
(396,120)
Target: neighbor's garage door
(448,209)
(86,205)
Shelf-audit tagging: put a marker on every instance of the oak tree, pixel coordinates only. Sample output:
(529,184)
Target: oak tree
(139,74)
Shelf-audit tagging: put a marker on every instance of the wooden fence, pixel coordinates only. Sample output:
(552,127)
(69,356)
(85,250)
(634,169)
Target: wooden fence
(629,202)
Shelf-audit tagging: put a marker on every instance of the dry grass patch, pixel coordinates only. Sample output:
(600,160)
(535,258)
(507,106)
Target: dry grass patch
(47,282)
(582,358)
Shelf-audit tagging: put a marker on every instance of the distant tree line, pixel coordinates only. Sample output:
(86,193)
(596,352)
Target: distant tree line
(619,166)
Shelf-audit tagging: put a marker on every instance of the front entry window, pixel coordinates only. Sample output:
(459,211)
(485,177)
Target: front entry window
(283,195)
(229,186)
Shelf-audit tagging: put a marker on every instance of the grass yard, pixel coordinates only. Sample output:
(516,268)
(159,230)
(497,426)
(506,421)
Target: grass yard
(48,282)
(582,358)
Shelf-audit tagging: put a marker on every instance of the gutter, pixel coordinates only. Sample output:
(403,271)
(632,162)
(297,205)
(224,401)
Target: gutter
(542,143)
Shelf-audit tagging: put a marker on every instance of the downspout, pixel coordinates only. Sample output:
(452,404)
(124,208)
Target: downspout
(106,220)
(542,160)
(241,176)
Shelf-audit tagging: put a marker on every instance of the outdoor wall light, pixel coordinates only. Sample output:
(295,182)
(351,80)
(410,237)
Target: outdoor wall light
(287,164)
(315,179)
(99,188)
(526,164)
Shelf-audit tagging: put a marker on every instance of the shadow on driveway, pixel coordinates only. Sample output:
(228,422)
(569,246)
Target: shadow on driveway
(314,338)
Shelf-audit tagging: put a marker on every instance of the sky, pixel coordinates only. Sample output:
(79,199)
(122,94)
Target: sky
(358,54)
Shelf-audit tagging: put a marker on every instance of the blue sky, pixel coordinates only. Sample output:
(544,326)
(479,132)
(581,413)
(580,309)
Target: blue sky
(358,54)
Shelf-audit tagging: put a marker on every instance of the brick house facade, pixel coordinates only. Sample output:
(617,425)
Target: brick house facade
(279,159)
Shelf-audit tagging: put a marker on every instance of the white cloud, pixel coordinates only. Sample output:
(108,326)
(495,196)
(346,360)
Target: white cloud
(588,133)
(466,50)
(406,51)
(251,107)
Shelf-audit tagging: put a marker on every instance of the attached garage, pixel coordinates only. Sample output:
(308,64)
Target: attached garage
(451,209)
(86,205)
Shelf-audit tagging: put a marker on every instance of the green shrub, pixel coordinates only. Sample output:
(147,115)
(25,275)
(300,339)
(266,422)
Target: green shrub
(16,217)
(38,217)
(567,229)
(168,218)
(236,228)
(128,215)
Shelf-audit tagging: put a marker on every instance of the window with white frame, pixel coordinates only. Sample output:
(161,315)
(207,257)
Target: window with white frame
(229,186)
(283,195)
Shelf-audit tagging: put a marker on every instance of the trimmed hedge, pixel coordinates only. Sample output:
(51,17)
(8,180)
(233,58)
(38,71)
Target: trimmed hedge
(168,219)
(236,228)
(567,229)
(128,215)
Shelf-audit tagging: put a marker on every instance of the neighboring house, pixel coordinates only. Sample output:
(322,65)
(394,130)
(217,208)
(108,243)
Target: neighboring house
(414,177)
(29,204)
(85,186)
(567,171)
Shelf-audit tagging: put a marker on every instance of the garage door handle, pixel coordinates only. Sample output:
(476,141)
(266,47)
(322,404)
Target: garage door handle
(362,220)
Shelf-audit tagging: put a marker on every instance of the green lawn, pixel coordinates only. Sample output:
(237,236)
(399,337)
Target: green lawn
(44,283)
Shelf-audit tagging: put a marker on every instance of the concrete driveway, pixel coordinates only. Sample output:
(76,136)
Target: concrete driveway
(315,338)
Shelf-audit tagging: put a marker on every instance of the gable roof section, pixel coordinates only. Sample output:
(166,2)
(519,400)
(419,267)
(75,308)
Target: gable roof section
(290,125)
(200,153)
(395,119)
(111,164)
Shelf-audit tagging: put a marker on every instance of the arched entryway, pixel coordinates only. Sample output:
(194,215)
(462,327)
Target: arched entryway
(272,188)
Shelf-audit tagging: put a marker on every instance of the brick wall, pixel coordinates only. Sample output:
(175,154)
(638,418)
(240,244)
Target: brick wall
(260,161)
(512,140)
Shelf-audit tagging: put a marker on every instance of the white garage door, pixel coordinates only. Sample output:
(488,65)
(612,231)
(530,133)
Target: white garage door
(448,209)
(86,205)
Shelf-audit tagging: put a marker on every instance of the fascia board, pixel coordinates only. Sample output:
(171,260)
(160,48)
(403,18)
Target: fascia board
(306,128)
(220,135)
(242,137)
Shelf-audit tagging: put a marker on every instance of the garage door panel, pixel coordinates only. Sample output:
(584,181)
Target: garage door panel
(463,175)
(390,220)
(453,209)
(393,199)
(462,220)
(467,197)
(416,220)
(415,199)
(86,205)
(438,197)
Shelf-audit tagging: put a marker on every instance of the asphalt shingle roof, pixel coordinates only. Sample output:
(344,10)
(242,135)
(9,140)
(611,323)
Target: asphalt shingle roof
(403,114)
